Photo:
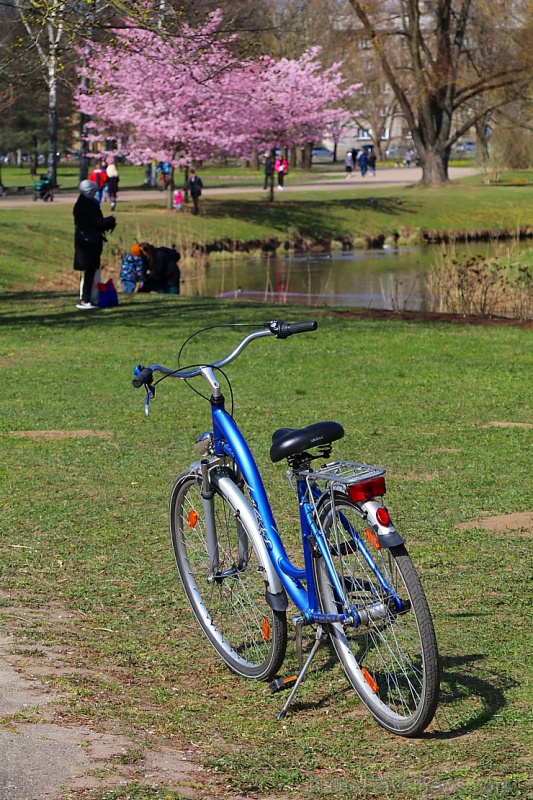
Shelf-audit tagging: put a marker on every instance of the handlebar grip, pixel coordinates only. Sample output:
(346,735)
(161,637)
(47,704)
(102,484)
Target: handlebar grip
(284,329)
(143,375)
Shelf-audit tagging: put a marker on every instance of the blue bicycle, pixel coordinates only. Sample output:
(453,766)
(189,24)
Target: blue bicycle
(357,585)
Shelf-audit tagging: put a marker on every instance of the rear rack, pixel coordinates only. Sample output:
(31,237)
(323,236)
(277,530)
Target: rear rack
(343,473)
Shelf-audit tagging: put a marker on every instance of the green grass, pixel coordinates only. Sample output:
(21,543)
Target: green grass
(87,564)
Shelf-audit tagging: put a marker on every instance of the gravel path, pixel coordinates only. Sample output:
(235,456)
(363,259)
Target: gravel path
(386,177)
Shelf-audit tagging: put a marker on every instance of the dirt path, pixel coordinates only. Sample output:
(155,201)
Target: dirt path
(386,177)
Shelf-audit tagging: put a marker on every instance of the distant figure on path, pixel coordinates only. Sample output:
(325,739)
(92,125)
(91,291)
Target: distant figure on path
(99,177)
(269,169)
(348,164)
(90,225)
(178,200)
(363,162)
(372,163)
(195,186)
(112,181)
(281,168)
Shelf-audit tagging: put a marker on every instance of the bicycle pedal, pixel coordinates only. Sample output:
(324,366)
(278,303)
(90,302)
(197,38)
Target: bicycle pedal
(279,684)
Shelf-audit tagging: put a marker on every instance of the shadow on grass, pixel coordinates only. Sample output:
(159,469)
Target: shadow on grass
(462,684)
(308,216)
(43,309)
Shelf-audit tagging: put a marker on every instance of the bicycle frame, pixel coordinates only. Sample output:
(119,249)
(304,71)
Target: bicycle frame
(230,442)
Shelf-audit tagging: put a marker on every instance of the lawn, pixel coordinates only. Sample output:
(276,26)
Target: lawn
(87,572)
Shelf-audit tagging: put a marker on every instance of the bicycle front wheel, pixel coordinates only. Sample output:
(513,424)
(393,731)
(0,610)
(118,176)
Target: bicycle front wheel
(230,604)
(391,658)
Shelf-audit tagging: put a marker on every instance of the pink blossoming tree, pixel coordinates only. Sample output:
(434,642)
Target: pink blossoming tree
(189,97)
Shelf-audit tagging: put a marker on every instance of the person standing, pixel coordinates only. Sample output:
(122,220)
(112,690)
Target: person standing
(90,225)
(281,168)
(269,169)
(99,177)
(178,200)
(195,187)
(112,181)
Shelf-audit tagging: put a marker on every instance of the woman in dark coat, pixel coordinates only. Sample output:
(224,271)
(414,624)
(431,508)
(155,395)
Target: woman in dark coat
(90,225)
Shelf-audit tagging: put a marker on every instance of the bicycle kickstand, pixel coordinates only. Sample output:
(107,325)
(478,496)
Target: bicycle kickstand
(319,638)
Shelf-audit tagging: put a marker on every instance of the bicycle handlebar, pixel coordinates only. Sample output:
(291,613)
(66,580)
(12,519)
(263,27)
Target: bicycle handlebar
(281,330)
(277,328)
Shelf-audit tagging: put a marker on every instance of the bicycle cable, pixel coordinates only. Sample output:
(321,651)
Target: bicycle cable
(211,328)
(194,389)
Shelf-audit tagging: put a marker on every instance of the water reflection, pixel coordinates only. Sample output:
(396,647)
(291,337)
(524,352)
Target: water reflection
(388,278)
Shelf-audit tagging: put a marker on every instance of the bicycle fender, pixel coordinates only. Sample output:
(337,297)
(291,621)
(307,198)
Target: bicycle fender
(387,534)
(275,593)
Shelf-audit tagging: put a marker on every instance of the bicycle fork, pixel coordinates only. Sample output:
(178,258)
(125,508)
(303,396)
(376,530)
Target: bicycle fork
(208,494)
(208,504)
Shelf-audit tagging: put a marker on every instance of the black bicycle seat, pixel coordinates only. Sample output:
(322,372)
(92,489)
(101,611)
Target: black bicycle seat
(291,441)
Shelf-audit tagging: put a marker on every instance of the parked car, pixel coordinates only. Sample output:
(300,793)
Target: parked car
(466,147)
(322,153)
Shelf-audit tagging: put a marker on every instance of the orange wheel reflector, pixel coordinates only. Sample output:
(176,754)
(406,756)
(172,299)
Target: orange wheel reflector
(370,680)
(265,629)
(192,518)
(372,538)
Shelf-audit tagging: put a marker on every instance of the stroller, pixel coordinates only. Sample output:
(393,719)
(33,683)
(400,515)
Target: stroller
(43,189)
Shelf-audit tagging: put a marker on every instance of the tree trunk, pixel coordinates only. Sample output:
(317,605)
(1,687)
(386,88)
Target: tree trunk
(307,154)
(53,39)
(434,163)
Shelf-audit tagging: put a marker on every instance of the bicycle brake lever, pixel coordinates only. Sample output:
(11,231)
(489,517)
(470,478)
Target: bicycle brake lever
(150,392)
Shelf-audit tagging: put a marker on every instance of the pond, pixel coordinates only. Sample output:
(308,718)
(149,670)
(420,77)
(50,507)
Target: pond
(388,278)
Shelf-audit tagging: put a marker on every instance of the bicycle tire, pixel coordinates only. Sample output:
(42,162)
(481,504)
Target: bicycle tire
(391,661)
(232,611)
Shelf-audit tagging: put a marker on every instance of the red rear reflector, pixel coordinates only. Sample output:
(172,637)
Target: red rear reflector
(359,492)
(192,518)
(382,516)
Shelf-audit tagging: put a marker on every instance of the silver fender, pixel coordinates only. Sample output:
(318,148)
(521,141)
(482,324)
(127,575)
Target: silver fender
(388,535)
(241,504)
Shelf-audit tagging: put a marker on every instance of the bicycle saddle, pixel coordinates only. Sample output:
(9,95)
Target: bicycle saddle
(291,441)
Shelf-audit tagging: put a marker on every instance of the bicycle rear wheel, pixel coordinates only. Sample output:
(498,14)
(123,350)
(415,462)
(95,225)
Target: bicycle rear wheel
(231,607)
(391,659)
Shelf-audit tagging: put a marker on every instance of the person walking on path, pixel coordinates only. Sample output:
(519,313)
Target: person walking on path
(112,181)
(281,168)
(99,177)
(363,162)
(195,187)
(348,164)
(90,225)
(269,170)
(372,163)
